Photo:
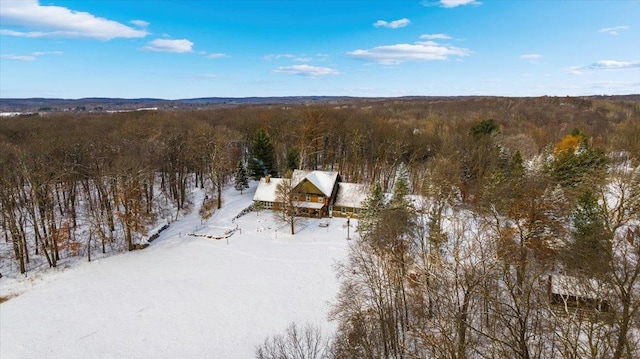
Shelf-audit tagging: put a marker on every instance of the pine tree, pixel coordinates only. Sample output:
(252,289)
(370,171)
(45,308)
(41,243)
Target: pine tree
(401,187)
(263,159)
(293,157)
(242,181)
(634,200)
(588,253)
(577,166)
(373,205)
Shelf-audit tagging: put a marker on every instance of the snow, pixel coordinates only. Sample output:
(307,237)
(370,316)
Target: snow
(183,296)
(266,191)
(351,195)
(323,180)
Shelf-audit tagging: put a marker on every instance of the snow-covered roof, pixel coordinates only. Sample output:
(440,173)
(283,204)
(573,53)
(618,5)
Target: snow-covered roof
(578,287)
(323,180)
(312,205)
(351,195)
(267,191)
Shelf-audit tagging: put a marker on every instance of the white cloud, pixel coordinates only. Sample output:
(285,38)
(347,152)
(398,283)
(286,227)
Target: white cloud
(306,70)
(322,57)
(393,24)
(42,53)
(278,57)
(139,23)
(603,65)
(164,45)
(450,3)
(296,58)
(613,65)
(531,58)
(217,55)
(57,21)
(614,30)
(420,51)
(435,37)
(613,85)
(575,70)
(24,58)
(31,57)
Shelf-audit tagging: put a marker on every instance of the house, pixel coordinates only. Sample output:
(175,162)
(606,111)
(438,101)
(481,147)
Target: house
(349,200)
(578,293)
(319,194)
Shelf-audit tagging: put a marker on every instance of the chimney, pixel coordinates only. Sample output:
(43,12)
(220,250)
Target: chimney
(267,178)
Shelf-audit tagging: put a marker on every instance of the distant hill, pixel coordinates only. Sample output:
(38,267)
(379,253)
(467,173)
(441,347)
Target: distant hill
(119,104)
(97,104)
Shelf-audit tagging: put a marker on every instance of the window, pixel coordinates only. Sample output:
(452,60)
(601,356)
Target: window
(308,199)
(320,199)
(268,204)
(343,210)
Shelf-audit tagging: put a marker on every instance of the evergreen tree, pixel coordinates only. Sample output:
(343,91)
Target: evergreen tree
(401,187)
(242,181)
(634,200)
(293,156)
(373,205)
(483,128)
(263,159)
(577,166)
(588,252)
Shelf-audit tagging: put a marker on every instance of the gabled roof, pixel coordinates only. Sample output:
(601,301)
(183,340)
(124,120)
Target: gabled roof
(579,287)
(351,195)
(323,180)
(267,191)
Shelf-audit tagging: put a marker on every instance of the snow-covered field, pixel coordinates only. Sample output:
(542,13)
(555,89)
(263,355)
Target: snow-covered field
(182,297)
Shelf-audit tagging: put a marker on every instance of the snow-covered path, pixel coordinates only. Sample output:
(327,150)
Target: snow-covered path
(184,296)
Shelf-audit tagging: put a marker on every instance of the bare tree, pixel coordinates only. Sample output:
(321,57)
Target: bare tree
(297,343)
(287,199)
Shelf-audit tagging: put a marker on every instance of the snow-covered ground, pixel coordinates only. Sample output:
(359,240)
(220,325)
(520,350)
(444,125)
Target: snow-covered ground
(182,297)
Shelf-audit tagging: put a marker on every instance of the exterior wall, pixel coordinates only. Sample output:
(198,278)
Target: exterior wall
(301,211)
(307,187)
(345,211)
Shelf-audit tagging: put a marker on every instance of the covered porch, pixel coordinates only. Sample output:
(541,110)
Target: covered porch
(312,209)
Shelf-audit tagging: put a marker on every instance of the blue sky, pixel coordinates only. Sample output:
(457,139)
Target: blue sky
(197,48)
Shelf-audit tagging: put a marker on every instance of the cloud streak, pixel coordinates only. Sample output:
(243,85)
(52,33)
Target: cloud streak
(614,30)
(399,53)
(31,57)
(166,45)
(607,65)
(306,70)
(531,58)
(296,58)
(450,3)
(217,55)
(395,24)
(57,21)
(435,37)
(139,23)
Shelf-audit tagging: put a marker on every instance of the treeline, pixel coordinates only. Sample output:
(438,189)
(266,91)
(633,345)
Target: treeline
(542,260)
(77,184)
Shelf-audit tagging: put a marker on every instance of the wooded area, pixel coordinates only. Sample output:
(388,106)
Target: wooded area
(539,185)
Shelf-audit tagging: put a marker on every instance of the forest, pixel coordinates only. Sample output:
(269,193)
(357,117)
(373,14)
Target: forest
(491,198)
